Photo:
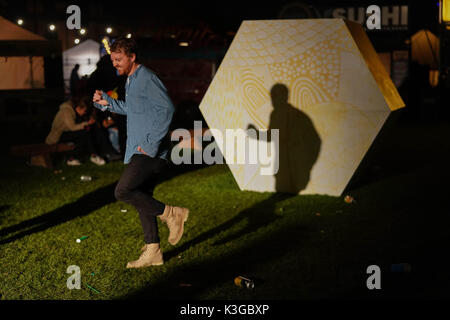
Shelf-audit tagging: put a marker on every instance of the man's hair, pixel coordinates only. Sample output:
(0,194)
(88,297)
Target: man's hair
(127,45)
(80,101)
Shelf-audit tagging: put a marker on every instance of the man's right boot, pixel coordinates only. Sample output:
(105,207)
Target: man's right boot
(175,217)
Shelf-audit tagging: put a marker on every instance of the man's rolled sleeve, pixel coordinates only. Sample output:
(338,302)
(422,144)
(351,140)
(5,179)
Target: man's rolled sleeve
(101,107)
(116,106)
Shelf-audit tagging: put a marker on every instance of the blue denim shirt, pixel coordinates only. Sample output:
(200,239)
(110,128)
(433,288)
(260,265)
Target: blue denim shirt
(149,111)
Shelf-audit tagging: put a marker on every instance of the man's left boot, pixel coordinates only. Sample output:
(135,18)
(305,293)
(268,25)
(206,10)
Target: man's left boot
(151,256)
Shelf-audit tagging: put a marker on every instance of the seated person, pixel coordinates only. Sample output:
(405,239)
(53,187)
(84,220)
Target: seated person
(113,132)
(65,129)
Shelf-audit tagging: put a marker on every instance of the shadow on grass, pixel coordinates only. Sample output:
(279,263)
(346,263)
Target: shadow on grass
(397,220)
(2,209)
(260,215)
(82,207)
(209,273)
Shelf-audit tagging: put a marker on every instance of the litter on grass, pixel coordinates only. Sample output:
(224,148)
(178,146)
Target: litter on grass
(244,282)
(349,199)
(82,238)
(93,289)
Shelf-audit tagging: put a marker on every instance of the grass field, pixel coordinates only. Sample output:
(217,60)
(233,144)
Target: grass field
(294,247)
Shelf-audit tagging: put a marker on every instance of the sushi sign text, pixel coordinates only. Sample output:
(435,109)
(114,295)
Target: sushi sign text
(375,17)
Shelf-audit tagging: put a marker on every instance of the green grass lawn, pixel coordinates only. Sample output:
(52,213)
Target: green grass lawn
(294,247)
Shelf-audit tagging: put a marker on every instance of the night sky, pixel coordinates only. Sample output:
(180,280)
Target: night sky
(225,15)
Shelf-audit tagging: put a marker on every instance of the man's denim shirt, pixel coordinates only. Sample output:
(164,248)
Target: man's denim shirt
(149,111)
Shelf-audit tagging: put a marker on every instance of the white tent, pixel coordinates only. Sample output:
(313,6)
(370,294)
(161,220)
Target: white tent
(86,54)
(19,72)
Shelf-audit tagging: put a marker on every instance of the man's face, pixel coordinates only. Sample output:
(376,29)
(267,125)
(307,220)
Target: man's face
(122,62)
(81,110)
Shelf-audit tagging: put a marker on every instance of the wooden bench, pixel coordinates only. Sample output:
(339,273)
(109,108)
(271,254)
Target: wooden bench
(41,153)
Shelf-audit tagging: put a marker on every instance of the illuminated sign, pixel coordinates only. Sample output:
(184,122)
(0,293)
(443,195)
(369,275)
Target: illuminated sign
(392,17)
(372,17)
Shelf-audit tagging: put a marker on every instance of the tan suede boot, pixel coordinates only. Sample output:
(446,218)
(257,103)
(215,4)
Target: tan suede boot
(151,256)
(175,217)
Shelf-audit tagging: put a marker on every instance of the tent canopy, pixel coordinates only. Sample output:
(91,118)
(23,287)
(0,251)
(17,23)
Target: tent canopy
(11,31)
(19,72)
(86,54)
(425,48)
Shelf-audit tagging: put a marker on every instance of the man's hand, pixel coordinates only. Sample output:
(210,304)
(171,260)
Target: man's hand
(98,98)
(91,121)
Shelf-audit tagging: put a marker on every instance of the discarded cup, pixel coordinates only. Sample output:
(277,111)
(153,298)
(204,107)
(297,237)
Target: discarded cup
(243,282)
(349,199)
(86,178)
(82,238)
(93,289)
(123,210)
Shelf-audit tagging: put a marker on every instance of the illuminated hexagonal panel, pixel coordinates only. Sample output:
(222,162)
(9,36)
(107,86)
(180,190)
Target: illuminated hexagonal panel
(320,83)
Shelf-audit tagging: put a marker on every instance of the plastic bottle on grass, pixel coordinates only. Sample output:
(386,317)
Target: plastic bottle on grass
(244,282)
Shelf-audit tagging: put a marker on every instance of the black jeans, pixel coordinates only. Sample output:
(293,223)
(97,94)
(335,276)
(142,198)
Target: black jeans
(136,186)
